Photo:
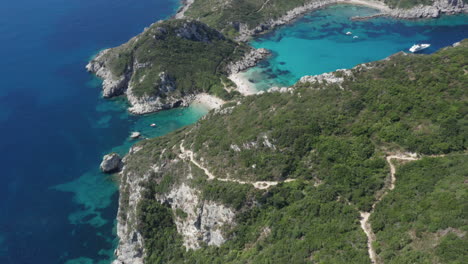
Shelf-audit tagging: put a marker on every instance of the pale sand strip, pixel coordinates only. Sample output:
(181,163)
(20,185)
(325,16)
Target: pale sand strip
(208,101)
(373,4)
(243,85)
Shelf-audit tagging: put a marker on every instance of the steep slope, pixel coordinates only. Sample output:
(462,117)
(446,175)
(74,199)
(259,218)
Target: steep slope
(167,64)
(424,220)
(323,142)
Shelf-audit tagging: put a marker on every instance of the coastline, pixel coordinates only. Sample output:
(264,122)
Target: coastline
(368,3)
(243,85)
(185,5)
(417,12)
(207,101)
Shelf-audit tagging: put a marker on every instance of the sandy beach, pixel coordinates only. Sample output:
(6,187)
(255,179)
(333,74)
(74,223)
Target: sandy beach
(369,3)
(208,101)
(243,85)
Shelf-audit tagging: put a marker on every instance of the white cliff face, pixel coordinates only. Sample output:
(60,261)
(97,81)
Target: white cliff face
(201,223)
(249,60)
(149,104)
(204,219)
(433,11)
(336,77)
(112,85)
(119,85)
(131,245)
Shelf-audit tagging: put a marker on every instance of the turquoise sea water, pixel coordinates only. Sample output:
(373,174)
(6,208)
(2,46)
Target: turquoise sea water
(56,207)
(318,42)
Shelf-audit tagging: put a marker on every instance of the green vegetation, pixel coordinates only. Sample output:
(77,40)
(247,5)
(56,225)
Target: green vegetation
(425,219)
(231,194)
(292,223)
(192,56)
(227,17)
(416,103)
(407,3)
(158,229)
(224,16)
(333,141)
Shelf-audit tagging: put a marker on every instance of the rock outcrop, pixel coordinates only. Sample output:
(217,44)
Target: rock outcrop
(435,10)
(249,60)
(112,85)
(336,77)
(203,221)
(111,163)
(166,65)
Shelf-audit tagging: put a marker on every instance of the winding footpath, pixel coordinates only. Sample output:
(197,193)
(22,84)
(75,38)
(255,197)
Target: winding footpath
(261,185)
(365,225)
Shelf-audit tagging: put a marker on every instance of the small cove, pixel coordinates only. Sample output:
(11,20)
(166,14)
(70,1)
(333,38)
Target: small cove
(318,43)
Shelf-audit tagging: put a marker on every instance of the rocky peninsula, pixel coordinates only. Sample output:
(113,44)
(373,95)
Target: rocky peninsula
(168,64)
(176,62)
(183,196)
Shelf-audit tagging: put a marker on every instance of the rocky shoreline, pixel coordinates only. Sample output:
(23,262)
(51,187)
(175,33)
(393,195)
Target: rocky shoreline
(439,7)
(130,249)
(113,85)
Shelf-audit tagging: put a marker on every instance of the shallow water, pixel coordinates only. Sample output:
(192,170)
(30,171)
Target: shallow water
(318,42)
(56,206)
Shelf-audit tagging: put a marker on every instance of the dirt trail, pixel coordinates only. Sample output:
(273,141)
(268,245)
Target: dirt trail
(365,225)
(261,185)
(264,4)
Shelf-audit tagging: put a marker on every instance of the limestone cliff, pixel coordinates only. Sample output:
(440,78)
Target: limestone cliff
(198,221)
(167,64)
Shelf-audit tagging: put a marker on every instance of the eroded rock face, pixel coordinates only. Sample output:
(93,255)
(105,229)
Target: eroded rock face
(204,219)
(193,32)
(249,60)
(201,223)
(111,163)
(336,77)
(432,11)
(112,85)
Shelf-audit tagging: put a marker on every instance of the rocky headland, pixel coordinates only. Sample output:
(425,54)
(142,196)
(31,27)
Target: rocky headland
(168,64)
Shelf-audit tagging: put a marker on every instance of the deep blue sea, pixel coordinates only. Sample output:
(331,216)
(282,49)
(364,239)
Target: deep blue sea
(55,205)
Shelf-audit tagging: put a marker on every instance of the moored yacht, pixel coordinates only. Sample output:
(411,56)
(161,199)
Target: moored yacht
(418,47)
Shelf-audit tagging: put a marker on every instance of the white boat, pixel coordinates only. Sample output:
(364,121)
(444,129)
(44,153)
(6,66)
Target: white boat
(153,125)
(355,37)
(349,33)
(418,47)
(135,135)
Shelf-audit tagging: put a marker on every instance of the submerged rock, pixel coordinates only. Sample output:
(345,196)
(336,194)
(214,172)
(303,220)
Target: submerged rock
(111,163)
